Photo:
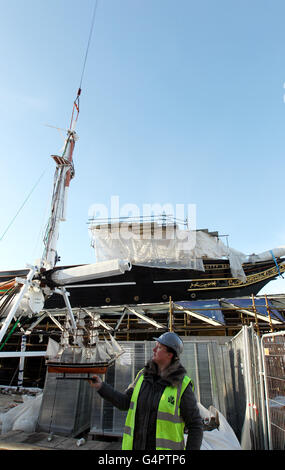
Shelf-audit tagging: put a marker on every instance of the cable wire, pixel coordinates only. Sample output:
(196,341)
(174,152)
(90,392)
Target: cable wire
(89,41)
(19,210)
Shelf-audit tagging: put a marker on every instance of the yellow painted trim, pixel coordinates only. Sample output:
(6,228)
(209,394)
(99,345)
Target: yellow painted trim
(234,282)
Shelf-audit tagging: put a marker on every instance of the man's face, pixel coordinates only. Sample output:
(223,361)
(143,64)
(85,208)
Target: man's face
(160,354)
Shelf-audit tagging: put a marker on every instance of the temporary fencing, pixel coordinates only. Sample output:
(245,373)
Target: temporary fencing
(242,377)
(273,354)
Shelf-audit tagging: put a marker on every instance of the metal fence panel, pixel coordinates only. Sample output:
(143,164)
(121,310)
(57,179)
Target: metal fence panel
(243,378)
(236,407)
(106,419)
(273,350)
(247,410)
(65,407)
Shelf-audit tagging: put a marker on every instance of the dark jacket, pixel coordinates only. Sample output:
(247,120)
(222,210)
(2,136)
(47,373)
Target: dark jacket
(147,406)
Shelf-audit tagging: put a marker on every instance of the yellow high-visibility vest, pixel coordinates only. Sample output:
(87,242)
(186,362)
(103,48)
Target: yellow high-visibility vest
(169,424)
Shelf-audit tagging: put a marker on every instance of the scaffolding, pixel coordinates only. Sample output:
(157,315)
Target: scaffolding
(231,351)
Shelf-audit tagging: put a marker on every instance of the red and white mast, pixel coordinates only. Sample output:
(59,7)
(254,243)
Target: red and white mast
(63,174)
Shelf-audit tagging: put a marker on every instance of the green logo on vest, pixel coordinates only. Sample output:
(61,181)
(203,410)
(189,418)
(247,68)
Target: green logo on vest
(171,400)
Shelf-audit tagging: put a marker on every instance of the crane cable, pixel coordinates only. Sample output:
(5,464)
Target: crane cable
(76,101)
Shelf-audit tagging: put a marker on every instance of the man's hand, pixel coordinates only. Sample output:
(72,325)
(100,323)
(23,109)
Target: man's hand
(96,382)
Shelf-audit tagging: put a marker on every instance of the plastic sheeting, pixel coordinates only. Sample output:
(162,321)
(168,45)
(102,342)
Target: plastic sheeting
(168,247)
(53,348)
(222,438)
(267,255)
(23,417)
(154,247)
(110,267)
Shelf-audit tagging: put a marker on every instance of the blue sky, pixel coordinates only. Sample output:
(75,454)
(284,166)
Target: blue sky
(182,103)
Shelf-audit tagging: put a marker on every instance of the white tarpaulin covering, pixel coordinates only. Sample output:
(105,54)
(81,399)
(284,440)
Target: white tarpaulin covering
(223,438)
(167,247)
(53,348)
(106,268)
(152,248)
(23,417)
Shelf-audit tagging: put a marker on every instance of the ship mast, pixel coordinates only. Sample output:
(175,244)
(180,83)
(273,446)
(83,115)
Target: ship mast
(30,293)
(64,172)
(30,297)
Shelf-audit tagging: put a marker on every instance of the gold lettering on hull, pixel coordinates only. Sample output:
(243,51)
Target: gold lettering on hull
(228,283)
(210,267)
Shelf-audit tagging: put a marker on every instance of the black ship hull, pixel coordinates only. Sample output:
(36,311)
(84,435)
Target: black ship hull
(152,285)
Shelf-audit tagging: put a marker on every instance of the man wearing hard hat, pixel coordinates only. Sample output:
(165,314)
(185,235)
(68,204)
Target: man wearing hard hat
(160,402)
